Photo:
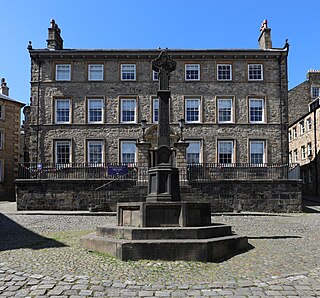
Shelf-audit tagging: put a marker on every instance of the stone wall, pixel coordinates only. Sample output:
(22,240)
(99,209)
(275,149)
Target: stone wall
(224,196)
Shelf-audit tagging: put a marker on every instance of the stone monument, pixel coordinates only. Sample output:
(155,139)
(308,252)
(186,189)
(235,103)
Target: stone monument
(164,227)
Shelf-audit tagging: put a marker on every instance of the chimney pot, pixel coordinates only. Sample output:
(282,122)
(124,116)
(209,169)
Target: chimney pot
(264,40)
(4,88)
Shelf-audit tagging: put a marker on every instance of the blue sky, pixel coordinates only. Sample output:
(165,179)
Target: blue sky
(149,24)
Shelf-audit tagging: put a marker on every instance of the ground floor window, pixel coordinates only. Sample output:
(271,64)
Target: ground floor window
(128,152)
(95,152)
(193,152)
(257,152)
(62,152)
(225,152)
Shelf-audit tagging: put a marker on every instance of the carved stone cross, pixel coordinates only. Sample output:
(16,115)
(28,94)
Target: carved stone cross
(164,65)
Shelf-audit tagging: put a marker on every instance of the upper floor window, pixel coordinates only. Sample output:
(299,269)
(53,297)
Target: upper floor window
(294,132)
(290,135)
(225,110)
(155,76)
(315,91)
(95,110)
(255,72)
(128,111)
(62,111)
(224,72)
(303,152)
(256,110)
(302,128)
(309,149)
(1,139)
(2,112)
(63,72)
(290,157)
(295,155)
(155,110)
(192,72)
(95,72)
(95,152)
(225,152)
(309,124)
(192,110)
(257,152)
(193,152)
(128,152)
(63,152)
(128,72)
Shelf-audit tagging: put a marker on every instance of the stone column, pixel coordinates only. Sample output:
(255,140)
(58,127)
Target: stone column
(143,161)
(181,159)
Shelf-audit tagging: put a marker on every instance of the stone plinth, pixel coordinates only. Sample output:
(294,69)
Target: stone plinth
(163,214)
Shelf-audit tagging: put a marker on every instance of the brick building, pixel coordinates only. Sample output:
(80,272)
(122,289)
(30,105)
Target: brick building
(87,105)
(10,110)
(87,109)
(304,119)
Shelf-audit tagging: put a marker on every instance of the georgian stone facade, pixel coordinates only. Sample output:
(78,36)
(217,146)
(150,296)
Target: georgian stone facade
(10,151)
(234,102)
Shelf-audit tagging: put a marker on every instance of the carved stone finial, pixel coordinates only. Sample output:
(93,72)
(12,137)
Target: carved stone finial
(53,23)
(3,81)
(29,45)
(164,65)
(264,25)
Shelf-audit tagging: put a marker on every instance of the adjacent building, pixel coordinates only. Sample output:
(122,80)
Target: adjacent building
(87,105)
(304,117)
(10,152)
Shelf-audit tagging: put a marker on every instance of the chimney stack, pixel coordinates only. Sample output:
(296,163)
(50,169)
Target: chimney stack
(4,88)
(264,40)
(54,41)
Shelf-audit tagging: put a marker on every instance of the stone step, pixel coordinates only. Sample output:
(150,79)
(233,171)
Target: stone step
(132,233)
(204,250)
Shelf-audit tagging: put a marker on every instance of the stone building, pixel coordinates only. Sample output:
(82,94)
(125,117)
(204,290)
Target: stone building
(304,117)
(88,106)
(10,110)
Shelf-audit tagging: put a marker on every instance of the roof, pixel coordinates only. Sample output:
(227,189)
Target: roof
(5,97)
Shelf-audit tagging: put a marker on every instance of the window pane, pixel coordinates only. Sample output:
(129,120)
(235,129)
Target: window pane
(128,72)
(225,110)
(225,151)
(256,110)
(1,139)
(193,152)
(63,110)
(96,72)
(95,151)
(155,110)
(257,152)
(315,92)
(63,152)
(192,72)
(95,110)
(128,152)
(224,72)
(255,71)
(128,110)
(63,72)
(192,110)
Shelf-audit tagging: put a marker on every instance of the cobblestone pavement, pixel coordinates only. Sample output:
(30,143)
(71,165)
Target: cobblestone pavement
(40,256)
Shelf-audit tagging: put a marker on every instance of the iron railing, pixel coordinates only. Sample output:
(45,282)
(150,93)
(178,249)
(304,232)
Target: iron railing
(133,171)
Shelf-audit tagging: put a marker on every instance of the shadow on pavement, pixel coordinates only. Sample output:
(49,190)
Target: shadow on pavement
(274,237)
(15,236)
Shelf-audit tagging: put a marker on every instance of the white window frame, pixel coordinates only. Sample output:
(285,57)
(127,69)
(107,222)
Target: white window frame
(56,110)
(132,144)
(290,157)
(220,142)
(262,111)
(302,127)
(134,109)
(191,146)
(1,170)
(309,124)
(89,110)
(224,71)
(315,91)
(195,108)
(95,74)
(192,72)
(155,107)
(290,135)
(303,152)
(1,140)
(295,155)
(255,72)
(63,72)
(219,100)
(260,142)
(128,69)
(309,149)
(155,75)
(2,112)
(66,143)
(294,132)
(89,153)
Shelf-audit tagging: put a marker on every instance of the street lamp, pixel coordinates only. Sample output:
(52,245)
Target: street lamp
(143,126)
(182,123)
